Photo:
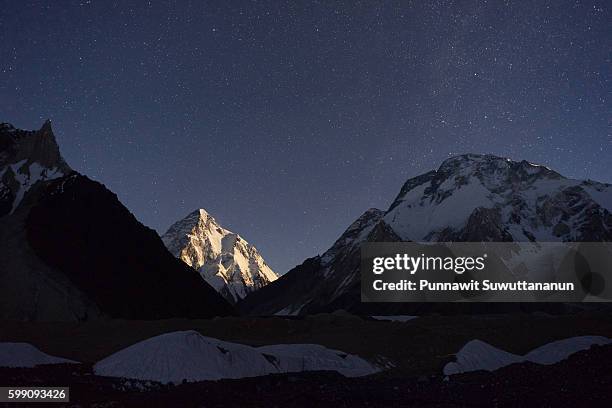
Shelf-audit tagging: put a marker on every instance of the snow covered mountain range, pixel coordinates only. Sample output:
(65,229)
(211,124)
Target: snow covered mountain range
(46,217)
(224,259)
(468,198)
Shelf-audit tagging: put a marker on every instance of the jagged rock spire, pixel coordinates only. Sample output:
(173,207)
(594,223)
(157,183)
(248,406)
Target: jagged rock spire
(26,158)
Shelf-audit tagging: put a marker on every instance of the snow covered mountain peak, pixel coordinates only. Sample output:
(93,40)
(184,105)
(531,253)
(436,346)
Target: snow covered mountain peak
(202,215)
(494,168)
(27,157)
(488,198)
(224,259)
(355,234)
(357,228)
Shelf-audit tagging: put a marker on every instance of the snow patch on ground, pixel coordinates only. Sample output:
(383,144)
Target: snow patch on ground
(397,318)
(479,355)
(26,355)
(289,311)
(189,356)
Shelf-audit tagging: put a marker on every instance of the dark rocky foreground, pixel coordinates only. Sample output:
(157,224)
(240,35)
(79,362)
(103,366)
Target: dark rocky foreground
(585,379)
(418,349)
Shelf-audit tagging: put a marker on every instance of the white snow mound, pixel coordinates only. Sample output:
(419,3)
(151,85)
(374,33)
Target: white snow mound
(26,355)
(478,355)
(188,356)
(290,358)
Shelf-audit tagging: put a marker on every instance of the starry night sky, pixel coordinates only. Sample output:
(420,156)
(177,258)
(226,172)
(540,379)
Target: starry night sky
(287,121)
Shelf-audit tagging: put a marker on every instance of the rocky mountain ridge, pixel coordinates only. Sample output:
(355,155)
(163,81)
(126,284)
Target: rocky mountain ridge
(70,251)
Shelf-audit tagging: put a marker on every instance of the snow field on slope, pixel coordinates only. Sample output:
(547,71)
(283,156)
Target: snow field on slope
(415,218)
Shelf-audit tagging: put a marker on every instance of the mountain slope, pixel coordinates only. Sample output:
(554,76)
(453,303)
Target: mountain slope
(31,289)
(469,198)
(322,281)
(71,251)
(224,259)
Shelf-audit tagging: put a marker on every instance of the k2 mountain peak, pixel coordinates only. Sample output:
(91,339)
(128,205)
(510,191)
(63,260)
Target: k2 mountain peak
(224,259)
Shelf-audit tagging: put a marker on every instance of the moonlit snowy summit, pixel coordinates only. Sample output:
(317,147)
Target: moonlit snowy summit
(478,355)
(476,197)
(26,355)
(187,355)
(224,259)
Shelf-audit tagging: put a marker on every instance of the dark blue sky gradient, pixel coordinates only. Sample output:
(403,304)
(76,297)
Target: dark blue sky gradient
(287,121)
